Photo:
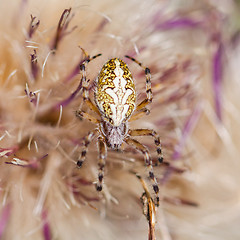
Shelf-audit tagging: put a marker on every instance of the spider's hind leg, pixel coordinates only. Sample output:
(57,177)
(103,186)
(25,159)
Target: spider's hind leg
(148,161)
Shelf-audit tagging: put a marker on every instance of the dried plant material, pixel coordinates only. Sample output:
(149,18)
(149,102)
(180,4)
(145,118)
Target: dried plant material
(148,209)
(34,64)
(192,49)
(62,27)
(34,24)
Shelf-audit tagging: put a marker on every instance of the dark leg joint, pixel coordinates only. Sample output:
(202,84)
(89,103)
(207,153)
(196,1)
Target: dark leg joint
(149,90)
(147,71)
(84,152)
(82,67)
(155,188)
(79,163)
(151,175)
(79,114)
(160,160)
(98,188)
(159,150)
(100,177)
(101,166)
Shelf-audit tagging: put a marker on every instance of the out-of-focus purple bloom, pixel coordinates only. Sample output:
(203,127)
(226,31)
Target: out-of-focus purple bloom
(179,23)
(70,98)
(180,201)
(187,130)
(75,71)
(46,227)
(5,214)
(217,72)
(102,24)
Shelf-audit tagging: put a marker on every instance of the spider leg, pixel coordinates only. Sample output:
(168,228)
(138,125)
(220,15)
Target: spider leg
(81,114)
(85,81)
(148,161)
(139,114)
(151,133)
(149,98)
(87,140)
(101,162)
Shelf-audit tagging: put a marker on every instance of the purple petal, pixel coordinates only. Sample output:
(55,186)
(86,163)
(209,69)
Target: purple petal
(46,227)
(75,71)
(70,98)
(217,72)
(5,214)
(179,23)
(187,130)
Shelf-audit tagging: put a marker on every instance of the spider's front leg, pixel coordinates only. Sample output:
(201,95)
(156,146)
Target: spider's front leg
(85,81)
(148,161)
(102,148)
(149,98)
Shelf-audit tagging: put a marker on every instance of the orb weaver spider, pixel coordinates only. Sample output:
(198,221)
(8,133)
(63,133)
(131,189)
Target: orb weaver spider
(115,104)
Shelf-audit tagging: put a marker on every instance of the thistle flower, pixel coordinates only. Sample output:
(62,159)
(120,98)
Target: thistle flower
(191,49)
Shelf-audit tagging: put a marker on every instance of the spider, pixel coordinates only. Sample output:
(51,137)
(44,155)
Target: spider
(115,104)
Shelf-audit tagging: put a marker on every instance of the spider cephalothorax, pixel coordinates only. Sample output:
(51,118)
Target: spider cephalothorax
(115,99)
(114,135)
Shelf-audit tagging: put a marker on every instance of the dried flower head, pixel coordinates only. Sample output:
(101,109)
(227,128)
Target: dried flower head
(191,48)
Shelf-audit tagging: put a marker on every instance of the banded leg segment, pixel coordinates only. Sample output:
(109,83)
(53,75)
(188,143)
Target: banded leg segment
(136,115)
(87,140)
(85,81)
(148,161)
(151,133)
(101,162)
(149,98)
(89,117)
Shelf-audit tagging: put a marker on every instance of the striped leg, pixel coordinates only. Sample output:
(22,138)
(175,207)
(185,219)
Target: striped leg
(136,115)
(148,161)
(87,140)
(101,162)
(151,133)
(82,114)
(149,98)
(85,81)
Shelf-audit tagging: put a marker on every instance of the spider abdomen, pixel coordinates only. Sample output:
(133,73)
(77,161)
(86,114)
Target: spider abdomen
(115,93)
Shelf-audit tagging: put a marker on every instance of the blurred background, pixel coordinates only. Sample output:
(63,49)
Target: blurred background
(193,51)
